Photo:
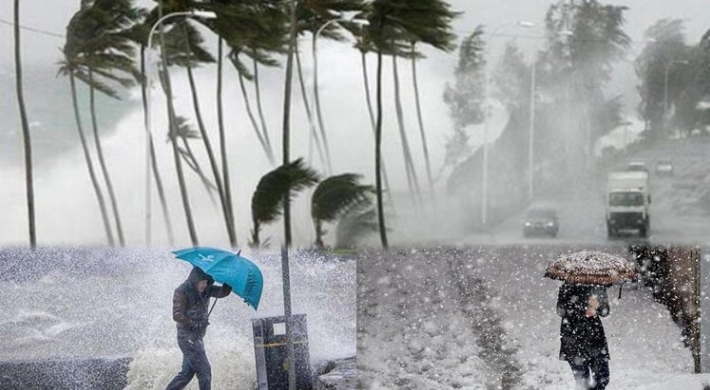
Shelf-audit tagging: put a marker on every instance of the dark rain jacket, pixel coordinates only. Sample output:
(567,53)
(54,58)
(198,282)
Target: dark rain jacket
(581,337)
(190,308)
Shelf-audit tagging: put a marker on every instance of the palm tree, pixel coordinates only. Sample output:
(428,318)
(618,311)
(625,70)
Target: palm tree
(184,49)
(317,17)
(381,16)
(333,197)
(139,34)
(173,133)
(434,29)
(75,65)
(274,192)
(362,43)
(29,182)
(102,29)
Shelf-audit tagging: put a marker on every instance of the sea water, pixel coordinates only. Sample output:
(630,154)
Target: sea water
(83,302)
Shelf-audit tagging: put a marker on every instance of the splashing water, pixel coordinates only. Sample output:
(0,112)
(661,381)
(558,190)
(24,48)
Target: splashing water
(76,303)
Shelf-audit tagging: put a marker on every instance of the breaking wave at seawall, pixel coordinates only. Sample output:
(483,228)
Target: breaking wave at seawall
(96,302)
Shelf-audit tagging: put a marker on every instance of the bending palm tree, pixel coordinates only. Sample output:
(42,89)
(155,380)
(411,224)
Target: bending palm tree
(333,197)
(432,25)
(274,191)
(184,50)
(101,33)
(152,160)
(362,44)
(29,182)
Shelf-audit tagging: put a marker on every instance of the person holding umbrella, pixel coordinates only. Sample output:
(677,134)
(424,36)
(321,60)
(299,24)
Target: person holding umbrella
(190,303)
(582,338)
(582,299)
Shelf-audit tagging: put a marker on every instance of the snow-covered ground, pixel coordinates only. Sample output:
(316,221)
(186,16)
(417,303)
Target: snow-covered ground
(484,318)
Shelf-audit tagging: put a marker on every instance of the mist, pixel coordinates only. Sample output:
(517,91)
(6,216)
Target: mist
(66,204)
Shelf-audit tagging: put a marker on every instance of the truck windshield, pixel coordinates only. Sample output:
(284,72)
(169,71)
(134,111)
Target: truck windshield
(626,199)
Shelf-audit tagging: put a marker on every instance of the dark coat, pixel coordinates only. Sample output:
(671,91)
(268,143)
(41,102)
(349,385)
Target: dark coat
(190,308)
(581,337)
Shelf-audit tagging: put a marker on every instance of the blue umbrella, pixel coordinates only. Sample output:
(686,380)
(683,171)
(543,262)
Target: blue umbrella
(227,267)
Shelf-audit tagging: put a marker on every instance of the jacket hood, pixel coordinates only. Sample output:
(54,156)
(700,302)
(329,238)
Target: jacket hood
(197,274)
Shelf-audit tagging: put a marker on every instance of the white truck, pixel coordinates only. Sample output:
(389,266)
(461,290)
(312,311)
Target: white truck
(628,202)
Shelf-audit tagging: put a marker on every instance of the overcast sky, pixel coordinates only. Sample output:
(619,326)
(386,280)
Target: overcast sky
(501,15)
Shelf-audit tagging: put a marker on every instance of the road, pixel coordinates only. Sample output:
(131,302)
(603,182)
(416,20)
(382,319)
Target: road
(680,207)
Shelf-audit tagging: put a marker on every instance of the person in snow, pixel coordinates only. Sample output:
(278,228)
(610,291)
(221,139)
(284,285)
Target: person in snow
(190,303)
(583,343)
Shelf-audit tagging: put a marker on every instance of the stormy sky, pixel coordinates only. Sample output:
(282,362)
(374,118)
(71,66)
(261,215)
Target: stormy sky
(500,14)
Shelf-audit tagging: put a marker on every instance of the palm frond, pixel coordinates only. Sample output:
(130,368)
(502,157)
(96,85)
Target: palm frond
(336,194)
(268,199)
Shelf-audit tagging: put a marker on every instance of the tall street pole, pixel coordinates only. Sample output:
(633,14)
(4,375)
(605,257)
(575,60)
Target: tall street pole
(285,271)
(531,143)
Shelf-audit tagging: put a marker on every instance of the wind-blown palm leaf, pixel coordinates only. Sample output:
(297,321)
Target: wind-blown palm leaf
(268,199)
(334,195)
(185,129)
(184,46)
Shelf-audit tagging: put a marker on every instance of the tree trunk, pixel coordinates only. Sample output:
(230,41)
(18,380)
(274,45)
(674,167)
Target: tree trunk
(89,165)
(378,155)
(27,144)
(412,180)
(173,140)
(102,162)
(223,148)
(153,162)
(316,98)
(259,136)
(319,233)
(425,148)
(213,161)
(314,133)
(210,153)
(264,128)
(374,127)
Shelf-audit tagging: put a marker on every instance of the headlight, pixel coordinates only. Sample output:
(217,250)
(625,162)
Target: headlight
(550,224)
(528,224)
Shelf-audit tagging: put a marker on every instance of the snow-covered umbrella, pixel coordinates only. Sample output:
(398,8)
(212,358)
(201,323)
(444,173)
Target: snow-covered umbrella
(592,267)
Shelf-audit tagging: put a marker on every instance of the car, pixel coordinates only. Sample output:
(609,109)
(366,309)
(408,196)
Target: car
(637,166)
(541,221)
(664,167)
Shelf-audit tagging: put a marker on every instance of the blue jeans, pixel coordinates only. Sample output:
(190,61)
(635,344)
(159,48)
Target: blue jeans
(194,362)
(599,367)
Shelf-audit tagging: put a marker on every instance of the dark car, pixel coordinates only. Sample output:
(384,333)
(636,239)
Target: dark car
(541,221)
(637,166)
